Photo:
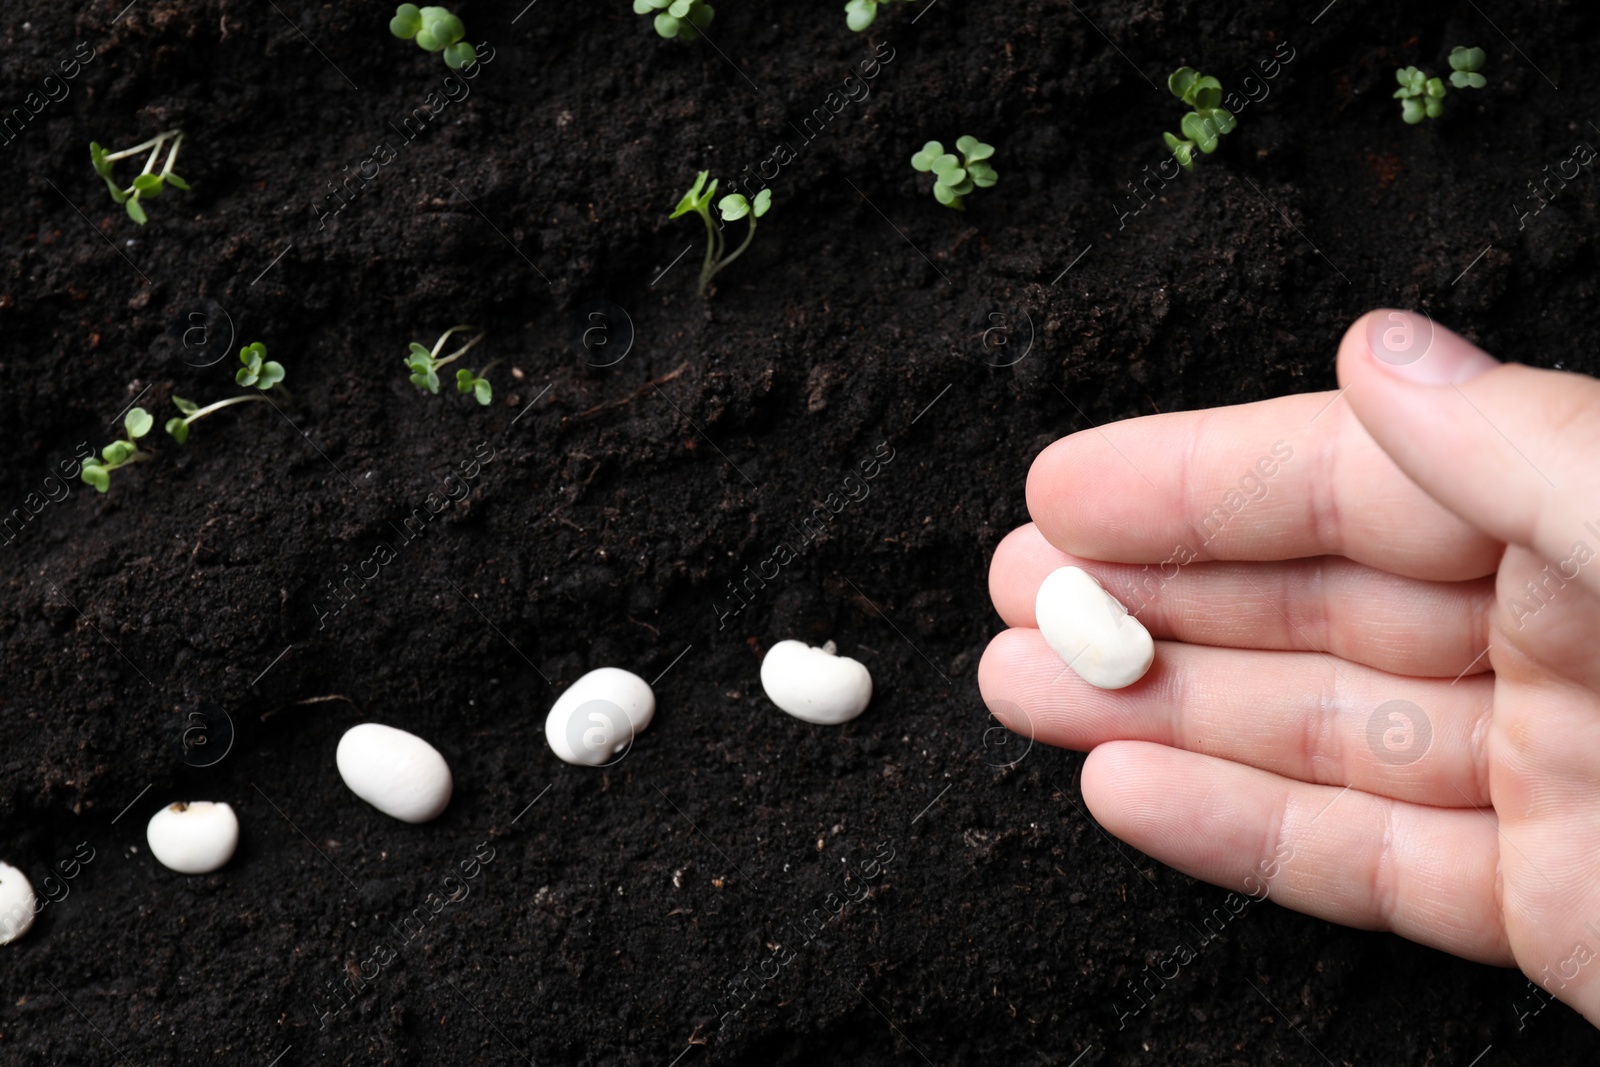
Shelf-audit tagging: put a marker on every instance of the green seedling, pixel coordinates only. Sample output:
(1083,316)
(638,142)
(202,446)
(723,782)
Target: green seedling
(681,19)
(861,13)
(1204,126)
(97,473)
(435,30)
(1422,97)
(148,184)
(1464,66)
(732,208)
(258,370)
(954,178)
(481,390)
(425,364)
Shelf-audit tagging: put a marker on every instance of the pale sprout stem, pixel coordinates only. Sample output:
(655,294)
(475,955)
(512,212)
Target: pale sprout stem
(458,353)
(209,408)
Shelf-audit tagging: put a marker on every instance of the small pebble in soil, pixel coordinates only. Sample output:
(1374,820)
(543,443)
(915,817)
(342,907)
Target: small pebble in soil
(193,838)
(396,772)
(1091,631)
(597,718)
(17,904)
(816,684)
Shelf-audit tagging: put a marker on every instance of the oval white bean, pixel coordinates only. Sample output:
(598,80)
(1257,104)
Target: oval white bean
(17,904)
(594,722)
(1091,631)
(396,772)
(193,838)
(816,684)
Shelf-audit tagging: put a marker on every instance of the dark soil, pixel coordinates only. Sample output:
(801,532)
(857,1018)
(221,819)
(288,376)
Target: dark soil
(621,500)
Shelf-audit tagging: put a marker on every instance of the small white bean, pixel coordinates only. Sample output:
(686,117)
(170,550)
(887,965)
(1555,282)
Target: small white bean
(815,684)
(17,904)
(193,838)
(396,772)
(596,719)
(1091,631)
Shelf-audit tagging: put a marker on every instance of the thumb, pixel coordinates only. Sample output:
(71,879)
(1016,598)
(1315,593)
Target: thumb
(1510,449)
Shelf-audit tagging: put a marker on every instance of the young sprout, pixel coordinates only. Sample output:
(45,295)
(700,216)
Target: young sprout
(861,13)
(435,30)
(1422,97)
(1204,126)
(258,371)
(732,207)
(1464,66)
(955,178)
(481,390)
(148,184)
(683,19)
(425,366)
(137,423)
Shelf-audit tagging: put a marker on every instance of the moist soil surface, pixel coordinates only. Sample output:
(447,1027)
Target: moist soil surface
(362,551)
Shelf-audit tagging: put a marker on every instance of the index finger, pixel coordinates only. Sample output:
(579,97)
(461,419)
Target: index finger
(1287,478)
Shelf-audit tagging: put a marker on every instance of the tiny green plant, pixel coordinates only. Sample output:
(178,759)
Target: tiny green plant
(425,364)
(148,184)
(435,30)
(117,454)
(732,208)
(258,370)
(1464,66)
(861,13)
(954,177)
(680,19)
(1422,97)
(481,390)
(1205,124)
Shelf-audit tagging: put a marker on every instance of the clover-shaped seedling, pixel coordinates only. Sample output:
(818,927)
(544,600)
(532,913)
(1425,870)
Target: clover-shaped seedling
(680,19)
(258,370)
(148,184)
(1420,96)
(97,473)
(955,177)
(1464,66)
(860,14)
(435,30)
(732,208)
(1205,124)
(467,382)
(424,365)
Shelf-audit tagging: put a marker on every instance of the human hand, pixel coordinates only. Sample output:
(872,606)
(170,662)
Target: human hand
(1377,672)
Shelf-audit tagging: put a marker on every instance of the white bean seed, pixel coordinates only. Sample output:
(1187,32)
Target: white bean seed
(815,684)
(595,721)
(1091,631)
(193,838)
(396,772)
(17,904)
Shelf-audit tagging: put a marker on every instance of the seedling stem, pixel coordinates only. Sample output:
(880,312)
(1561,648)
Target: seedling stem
(424,366)
(732,207)
(148,184)
(256,370)
(458,353)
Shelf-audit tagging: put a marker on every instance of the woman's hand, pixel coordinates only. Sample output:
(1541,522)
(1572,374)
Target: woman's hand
(1376,690)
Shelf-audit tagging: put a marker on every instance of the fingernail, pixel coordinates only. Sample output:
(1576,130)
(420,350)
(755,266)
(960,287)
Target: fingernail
(1409,346)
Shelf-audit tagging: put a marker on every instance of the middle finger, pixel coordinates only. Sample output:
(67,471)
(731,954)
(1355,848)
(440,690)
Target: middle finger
(1328,604)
